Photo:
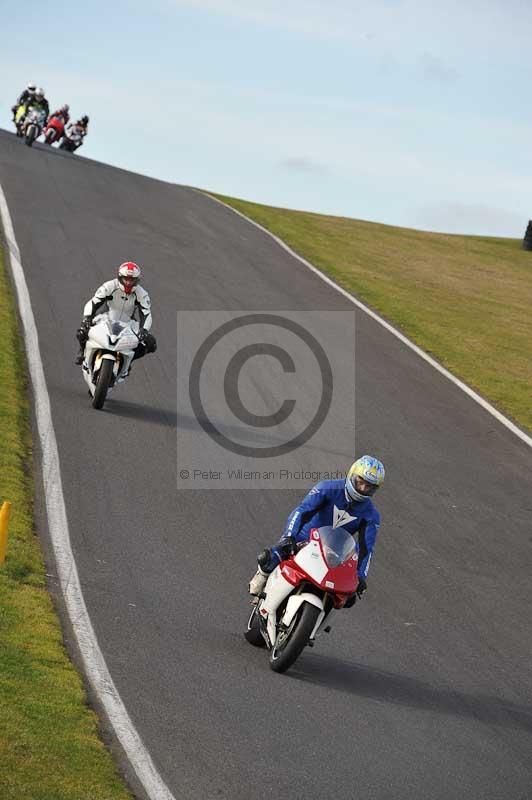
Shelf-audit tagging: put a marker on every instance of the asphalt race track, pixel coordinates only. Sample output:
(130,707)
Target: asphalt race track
(424,689)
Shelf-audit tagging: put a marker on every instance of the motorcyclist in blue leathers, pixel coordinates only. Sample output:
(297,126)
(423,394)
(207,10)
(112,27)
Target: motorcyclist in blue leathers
(338,503)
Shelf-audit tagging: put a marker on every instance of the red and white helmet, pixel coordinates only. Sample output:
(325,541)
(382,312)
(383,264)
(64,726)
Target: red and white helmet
(128,276)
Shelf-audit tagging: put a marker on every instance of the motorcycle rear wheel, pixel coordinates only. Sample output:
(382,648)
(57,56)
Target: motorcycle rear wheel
(252,633)
(283,655)
(102,384)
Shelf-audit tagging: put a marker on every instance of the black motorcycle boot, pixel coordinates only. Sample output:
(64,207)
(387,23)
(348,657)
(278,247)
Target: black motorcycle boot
(78,361)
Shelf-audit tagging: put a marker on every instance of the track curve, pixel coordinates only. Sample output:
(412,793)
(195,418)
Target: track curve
(425,688)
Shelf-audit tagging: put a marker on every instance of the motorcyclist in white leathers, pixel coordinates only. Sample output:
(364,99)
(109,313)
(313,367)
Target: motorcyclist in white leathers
(125,299)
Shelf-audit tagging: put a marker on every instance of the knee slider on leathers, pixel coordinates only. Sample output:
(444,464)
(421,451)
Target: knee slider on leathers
(147,340)
(264,560)
(151,343)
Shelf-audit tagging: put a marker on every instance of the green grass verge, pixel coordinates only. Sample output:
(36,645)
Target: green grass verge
(466,300)
(49,743)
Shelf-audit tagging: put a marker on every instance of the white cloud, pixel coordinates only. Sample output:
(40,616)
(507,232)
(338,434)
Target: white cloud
(476,218)
(301,164)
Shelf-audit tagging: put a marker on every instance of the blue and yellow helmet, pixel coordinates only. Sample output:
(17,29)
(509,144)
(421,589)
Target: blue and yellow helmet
(370,470)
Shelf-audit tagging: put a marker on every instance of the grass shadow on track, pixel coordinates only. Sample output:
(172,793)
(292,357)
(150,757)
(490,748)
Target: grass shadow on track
(389,687)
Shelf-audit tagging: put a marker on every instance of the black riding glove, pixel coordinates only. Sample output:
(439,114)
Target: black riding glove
(82,333)
(143,335)
(362,586)
(287,547)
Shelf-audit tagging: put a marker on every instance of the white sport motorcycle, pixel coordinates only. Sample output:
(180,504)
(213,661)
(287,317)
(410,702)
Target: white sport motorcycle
(301,593)
(72,139)
(109,351)
(33,124)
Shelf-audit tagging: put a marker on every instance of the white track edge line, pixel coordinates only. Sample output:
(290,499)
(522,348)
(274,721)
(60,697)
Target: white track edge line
(421,353)
(95,666)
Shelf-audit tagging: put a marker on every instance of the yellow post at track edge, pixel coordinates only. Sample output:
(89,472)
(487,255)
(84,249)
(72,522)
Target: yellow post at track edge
(4,522)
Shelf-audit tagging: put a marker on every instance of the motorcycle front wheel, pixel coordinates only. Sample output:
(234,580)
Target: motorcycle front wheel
(30,135)
(103,382)
(291,642)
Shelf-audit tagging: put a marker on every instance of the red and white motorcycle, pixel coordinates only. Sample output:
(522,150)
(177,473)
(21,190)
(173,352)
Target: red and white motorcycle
(300,594)
(55,129)
(108,355)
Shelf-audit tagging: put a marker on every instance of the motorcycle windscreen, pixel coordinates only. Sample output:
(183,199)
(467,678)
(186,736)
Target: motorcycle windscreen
(337,545)
(116,328)
(36,115)
(121,335)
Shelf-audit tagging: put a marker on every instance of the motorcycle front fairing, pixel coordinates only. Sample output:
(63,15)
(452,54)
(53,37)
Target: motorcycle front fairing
(35,116)
(112,339)
(57,125)
(327,562)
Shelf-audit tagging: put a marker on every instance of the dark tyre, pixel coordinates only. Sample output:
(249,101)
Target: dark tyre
(252,633)
(30,135)
(103,383)
(290,643)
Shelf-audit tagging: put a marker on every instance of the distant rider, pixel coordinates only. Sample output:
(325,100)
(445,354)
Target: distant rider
(124,299)
(338,503)
(25,96)
(62,112)
(82,125)
(39,101)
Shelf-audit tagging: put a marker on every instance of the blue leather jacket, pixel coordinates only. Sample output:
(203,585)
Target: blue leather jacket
(326,504)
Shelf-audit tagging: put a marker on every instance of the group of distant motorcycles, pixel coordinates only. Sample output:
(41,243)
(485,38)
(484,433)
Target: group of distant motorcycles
(31,122)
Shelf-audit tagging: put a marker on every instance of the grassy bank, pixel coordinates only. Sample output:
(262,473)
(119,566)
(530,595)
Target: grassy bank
(466,300)
(49,744)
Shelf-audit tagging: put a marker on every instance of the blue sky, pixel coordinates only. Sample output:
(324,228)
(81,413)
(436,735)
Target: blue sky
(400,111)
